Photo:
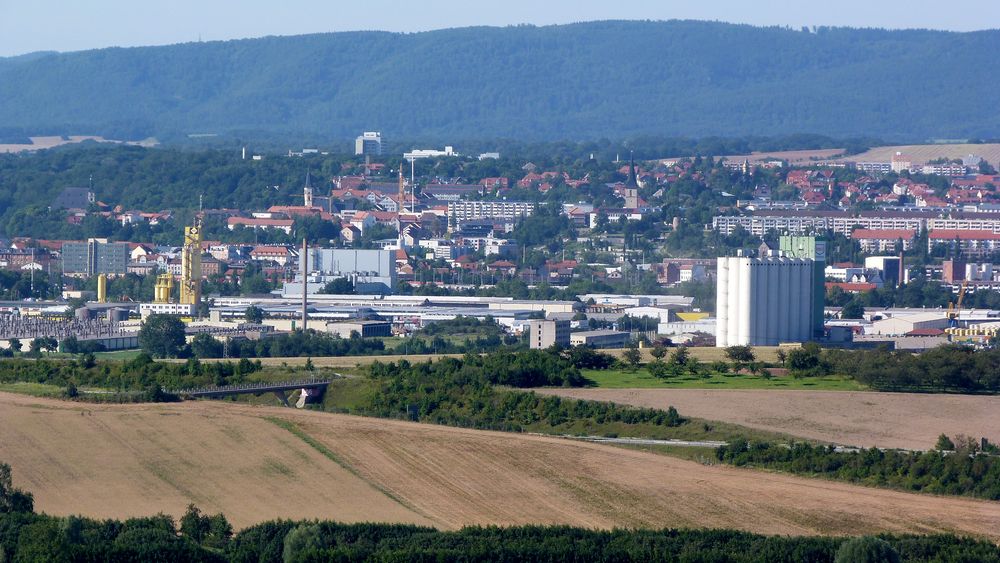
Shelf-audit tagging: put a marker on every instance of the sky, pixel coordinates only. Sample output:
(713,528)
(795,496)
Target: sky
(72,25)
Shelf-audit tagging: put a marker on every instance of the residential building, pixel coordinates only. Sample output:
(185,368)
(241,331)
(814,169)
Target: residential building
(461,211)
(968,244)
(95,256)
(279,254)
(883,240)
(285,225)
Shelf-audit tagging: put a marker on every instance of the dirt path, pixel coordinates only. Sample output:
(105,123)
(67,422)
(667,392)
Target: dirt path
(888,420)
(140,459)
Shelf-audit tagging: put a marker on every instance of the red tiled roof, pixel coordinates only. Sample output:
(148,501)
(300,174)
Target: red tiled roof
(851,287)
(963,234)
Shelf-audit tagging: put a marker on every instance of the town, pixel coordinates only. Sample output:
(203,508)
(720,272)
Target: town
(617,254)
(551,281)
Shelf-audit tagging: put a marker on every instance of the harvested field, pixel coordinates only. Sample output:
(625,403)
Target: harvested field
(921,154)
(888,420)
(257,463)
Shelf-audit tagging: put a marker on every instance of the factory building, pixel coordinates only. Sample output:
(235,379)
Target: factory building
(371,271)
(764,301)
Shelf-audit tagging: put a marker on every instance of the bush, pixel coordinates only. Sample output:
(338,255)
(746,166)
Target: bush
(866,549)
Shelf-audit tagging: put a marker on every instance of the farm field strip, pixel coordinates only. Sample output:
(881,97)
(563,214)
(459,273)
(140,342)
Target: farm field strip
(888,420)
(125,460)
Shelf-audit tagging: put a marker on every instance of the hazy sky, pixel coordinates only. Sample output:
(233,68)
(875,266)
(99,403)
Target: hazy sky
(72,25)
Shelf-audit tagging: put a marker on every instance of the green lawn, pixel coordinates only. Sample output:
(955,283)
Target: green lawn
(118,354)
(640,378)
(33,389)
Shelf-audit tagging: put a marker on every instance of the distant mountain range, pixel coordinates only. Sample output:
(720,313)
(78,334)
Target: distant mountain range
(610,79)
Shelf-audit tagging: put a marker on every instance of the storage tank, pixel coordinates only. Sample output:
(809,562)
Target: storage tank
(117,314)
(83,314)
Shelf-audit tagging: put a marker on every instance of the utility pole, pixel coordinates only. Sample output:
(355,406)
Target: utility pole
(305,282)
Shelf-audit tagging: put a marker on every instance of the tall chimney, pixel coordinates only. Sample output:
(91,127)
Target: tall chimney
(304,258)
(902,270)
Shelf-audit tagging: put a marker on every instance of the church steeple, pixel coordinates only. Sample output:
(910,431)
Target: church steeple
(632,181)
(307,192)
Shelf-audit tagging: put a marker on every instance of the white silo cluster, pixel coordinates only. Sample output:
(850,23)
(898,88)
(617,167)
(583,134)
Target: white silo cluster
(763,301)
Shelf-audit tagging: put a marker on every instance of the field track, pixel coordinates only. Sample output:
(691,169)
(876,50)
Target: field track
(259,463)
(854,418)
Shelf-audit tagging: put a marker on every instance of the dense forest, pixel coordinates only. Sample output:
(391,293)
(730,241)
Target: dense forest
(585,80)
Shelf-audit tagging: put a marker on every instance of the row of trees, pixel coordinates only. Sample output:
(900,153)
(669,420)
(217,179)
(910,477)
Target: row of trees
(948,368)
(963,471)
(197,537)
(141,374)
(463,392)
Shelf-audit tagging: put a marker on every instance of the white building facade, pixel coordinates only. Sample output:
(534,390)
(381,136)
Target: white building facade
(763,301)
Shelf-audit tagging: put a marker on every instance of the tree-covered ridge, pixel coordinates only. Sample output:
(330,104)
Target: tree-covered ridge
(611,78)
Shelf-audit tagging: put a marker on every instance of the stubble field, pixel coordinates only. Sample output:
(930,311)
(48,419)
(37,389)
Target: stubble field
(865,418)
(259,463)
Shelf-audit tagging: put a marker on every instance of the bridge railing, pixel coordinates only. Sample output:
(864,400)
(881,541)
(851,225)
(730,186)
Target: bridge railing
(250,387)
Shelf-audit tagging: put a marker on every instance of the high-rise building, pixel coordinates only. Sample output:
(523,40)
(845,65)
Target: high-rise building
(368,143)
(95,256)
(548,333)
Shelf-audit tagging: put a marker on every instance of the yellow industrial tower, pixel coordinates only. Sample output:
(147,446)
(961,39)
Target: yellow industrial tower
(163,289)
(102,288)
(191,265)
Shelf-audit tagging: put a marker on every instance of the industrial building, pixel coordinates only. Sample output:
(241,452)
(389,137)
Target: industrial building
(765,301)
(363,328)
(548,333)
(96,256)
(810,248)
(600,339)
(371,271)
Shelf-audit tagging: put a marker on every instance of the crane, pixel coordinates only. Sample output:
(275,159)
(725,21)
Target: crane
(955,308)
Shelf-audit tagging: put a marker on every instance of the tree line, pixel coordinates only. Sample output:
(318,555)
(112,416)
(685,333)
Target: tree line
(947,368)
(963,471)
(197,537)
(464,392)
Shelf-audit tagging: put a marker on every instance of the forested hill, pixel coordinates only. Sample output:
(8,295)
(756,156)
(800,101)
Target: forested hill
(590,80)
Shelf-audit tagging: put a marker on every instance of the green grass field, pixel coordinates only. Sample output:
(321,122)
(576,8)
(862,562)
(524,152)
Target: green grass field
(33,389)
(640,378)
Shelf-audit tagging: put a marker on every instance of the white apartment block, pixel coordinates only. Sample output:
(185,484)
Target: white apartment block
(760,224)
(991,225)
(460,211)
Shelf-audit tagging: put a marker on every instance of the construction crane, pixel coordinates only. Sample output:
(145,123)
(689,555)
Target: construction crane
(955,308)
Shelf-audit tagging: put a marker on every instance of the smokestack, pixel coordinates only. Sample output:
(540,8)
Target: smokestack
(902,270)
(305,282)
